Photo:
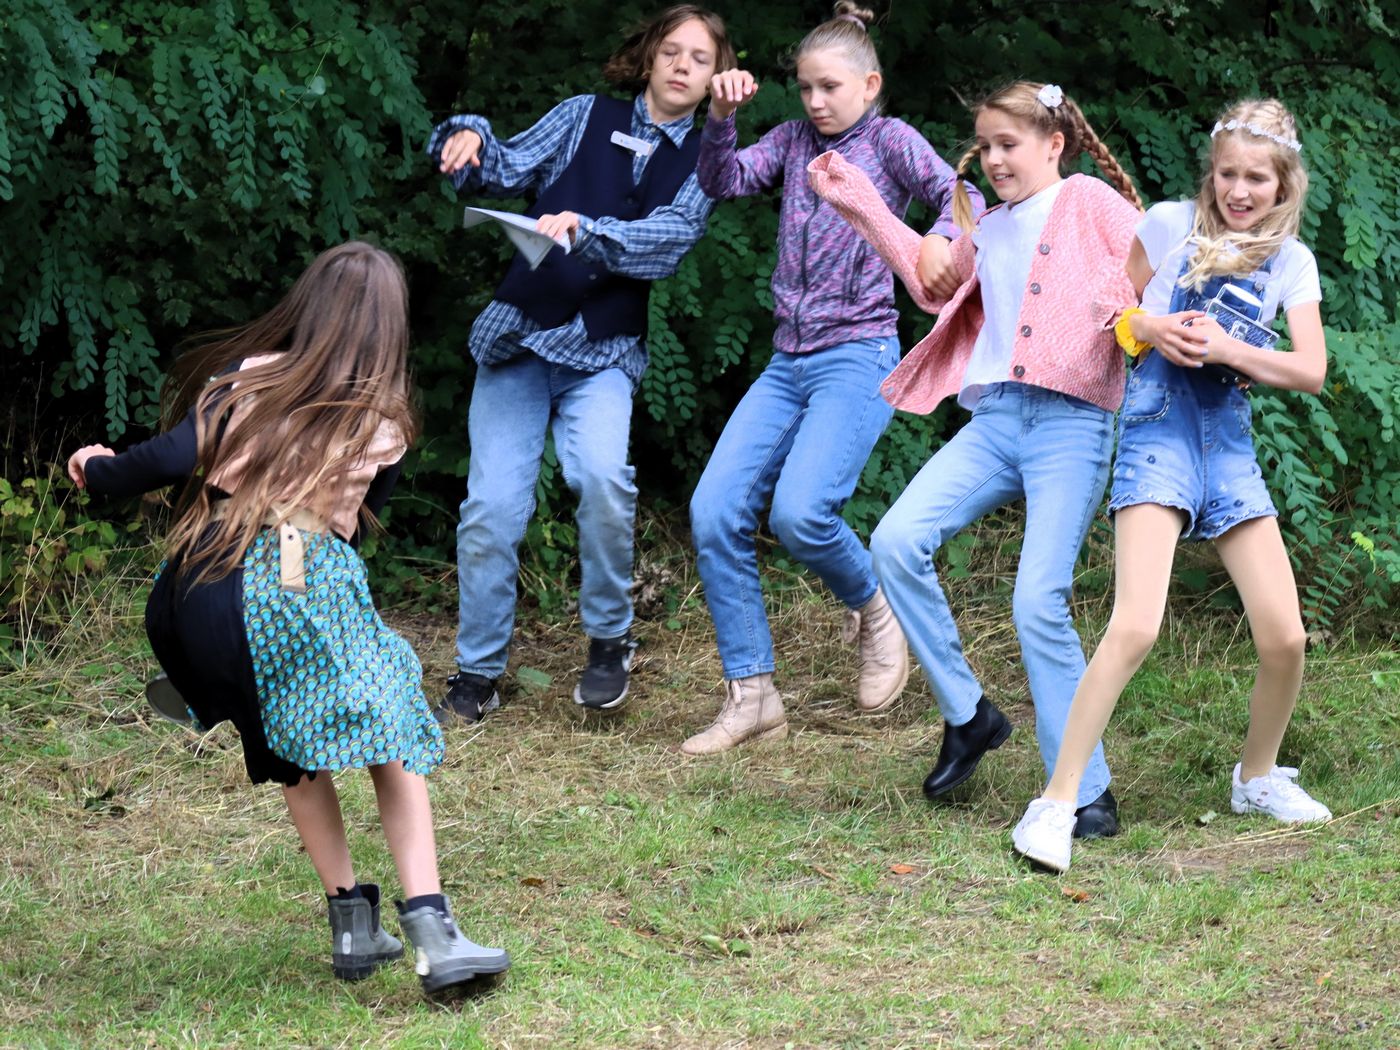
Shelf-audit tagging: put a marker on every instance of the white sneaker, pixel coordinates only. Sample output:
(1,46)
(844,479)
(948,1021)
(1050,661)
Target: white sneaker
(1276,794)
(1044,833)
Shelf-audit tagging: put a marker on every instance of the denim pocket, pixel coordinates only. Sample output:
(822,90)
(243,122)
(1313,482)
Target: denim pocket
(1244,413)
(1146,402)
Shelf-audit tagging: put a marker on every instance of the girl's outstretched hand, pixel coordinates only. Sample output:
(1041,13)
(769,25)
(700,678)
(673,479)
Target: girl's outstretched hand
(936,270)
(77,462)
(459,150)
(565,224)
(1173,336)
(730,90)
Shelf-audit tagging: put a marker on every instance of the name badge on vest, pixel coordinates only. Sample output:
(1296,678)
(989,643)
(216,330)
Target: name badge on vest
(637,146)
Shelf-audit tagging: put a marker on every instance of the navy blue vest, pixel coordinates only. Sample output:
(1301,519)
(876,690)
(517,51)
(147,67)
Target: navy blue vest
(598,182)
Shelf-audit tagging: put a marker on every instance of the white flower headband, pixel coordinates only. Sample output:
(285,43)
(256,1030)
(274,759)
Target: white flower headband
(1051,96)
(1255,129)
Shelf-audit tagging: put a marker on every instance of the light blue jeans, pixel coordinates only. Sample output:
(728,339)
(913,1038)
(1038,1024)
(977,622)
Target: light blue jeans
(800,436)
(513,405)
(1023,442)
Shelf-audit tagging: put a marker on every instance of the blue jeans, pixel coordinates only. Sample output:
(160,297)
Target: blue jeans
(513,405)
(1023,442)
(800,436)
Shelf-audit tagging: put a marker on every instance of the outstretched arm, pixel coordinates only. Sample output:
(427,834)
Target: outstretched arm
(726,172)
(166,459)
(850,191)
(468,152)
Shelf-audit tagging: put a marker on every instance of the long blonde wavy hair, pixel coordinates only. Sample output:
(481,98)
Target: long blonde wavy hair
(338,369)
(1220,250)
(1021,102)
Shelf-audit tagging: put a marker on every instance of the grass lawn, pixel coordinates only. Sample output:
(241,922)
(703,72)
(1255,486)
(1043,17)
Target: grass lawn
(798,895)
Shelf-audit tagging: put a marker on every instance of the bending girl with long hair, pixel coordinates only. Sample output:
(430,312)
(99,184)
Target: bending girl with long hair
(262,614)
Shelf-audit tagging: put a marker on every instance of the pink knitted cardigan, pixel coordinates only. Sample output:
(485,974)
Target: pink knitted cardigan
(1077,287)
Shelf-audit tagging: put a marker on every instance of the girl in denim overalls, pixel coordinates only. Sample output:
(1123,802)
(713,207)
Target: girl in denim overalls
(1186,464)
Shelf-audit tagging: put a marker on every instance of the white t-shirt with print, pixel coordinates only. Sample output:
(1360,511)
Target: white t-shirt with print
(1164,232)
(1006,240)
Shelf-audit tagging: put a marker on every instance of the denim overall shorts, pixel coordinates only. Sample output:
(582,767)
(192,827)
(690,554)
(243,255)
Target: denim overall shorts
(1184,436)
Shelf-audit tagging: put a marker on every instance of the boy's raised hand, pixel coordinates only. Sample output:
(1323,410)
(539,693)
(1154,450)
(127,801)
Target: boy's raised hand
(77,462)
(459,150)
(730,90)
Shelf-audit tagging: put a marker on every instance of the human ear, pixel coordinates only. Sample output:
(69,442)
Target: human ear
(873,81)
(1057,144)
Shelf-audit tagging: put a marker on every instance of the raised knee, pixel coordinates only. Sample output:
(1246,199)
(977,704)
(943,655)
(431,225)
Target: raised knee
(1282,645)
(1131,639)
(797,528)
(1033,606)
(706,517)
(894,546)
(590,480)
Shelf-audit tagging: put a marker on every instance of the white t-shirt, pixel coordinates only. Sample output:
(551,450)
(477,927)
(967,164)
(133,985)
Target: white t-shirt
(1164,233)
(1006,241)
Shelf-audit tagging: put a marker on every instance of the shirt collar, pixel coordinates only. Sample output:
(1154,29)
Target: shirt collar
(675,130)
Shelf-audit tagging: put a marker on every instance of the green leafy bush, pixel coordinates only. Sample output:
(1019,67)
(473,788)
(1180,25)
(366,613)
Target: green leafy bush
(168,166)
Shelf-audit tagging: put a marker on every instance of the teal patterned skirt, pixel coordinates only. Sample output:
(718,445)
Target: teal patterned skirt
(337,688)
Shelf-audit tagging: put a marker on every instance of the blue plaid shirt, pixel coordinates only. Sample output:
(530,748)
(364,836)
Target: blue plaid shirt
(649,248)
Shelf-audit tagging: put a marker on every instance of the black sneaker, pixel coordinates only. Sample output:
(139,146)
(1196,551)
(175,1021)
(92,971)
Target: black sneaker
(603,686)
(470,697)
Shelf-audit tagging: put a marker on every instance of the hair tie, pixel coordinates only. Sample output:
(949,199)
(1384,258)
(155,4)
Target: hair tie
(1051,96)
(1255,129)
(847,17)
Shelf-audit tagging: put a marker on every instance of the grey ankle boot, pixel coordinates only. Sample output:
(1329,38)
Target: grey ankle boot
(444,956)
(358,943)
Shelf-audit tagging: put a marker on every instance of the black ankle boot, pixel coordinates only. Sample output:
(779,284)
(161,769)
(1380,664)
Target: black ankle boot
(1098,819)
(964,746)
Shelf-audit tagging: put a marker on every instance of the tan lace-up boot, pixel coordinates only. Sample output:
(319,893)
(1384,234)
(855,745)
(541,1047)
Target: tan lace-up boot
(752,710)
(884,655)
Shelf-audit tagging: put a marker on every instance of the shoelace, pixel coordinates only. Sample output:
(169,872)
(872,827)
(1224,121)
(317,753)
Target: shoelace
(872,654)
(850,627)
(1047,812)
(1280,780)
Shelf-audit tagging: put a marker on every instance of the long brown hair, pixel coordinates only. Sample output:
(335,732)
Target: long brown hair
(631,64)
(1021,102)
(1220,250)
(336,370)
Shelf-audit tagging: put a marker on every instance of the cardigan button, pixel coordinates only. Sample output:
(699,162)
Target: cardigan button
(1035,288)
(1019,371)
(1025,329)
(1045,249)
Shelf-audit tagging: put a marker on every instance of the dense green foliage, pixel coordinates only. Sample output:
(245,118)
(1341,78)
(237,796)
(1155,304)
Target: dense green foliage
(170,166)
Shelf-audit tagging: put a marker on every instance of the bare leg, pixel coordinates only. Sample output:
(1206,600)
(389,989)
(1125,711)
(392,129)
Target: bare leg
(1255,557)
(407,819)
(315,810)
(1144,543)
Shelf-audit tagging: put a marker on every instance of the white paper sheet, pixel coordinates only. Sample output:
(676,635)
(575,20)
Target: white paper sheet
(520,229)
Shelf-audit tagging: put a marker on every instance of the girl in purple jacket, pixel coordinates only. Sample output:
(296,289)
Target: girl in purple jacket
(802,434)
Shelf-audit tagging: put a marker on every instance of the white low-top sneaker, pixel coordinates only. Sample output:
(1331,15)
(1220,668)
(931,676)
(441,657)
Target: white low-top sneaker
(1045,832)
(1276,794)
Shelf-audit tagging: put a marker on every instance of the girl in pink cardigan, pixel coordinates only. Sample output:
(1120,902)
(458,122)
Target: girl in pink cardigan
(1023,340)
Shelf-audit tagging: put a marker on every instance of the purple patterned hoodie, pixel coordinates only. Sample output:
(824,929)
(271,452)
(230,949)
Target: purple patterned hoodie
(829,286)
